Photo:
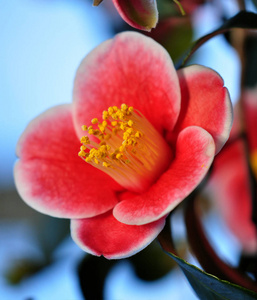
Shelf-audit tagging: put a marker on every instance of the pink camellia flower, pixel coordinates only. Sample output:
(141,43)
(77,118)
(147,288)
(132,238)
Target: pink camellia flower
(137,139)
(230,180)
(140,14)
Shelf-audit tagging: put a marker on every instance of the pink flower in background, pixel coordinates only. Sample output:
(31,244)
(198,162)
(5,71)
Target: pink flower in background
(140,14)
(230,181)
(140,160)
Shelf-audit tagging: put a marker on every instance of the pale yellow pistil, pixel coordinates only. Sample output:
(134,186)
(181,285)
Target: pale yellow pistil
(127,147)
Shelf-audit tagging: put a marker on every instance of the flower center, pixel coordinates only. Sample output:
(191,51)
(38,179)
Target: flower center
(127,147)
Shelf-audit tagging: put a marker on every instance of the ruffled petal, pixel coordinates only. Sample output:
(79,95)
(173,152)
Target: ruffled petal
(205,102)
(194,154)
(50,176)
(229,187)
(131,69)
(104,235)
(141,14)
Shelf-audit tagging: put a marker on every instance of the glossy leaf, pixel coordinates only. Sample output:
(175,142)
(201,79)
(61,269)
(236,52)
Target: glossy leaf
(210,287)
(206,286)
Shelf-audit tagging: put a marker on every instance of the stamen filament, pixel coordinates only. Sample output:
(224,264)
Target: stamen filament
(129,148)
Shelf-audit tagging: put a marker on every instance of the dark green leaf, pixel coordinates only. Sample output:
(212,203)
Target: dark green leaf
(243,19)
(210,287)
(206,286)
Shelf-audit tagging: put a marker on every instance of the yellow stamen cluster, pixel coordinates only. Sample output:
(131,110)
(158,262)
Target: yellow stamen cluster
(124,145)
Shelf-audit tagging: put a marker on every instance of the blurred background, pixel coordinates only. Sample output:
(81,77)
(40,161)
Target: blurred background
(41,45)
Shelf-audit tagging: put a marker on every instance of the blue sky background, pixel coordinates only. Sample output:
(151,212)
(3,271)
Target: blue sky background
(41,45)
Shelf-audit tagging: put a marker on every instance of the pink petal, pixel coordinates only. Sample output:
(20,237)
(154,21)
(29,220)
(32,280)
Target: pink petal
(104,235)
(131,69)
(50,176)
(141,14)
(230,190)
(193,157)
(205,103)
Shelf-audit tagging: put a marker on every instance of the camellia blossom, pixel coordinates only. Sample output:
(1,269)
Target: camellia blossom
(136,140)
(229,184)
(140,14)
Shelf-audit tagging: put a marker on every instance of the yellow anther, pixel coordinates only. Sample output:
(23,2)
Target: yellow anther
(134,141)
(120,115)
(110,110)
(103,147)
(104,123)
(92,151)
(114,116)
(130,123)
(121,148)
(81,153)
(106,165)
(125,135)
(124,107)
(85,140)
(119,155)
(126,147)
(129,131)
(101,128)
(123,126)
(105,115)
(138,134)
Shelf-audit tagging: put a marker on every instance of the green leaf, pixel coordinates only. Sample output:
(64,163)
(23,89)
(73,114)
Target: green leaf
(210,287)
(244,19)
(206,285)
